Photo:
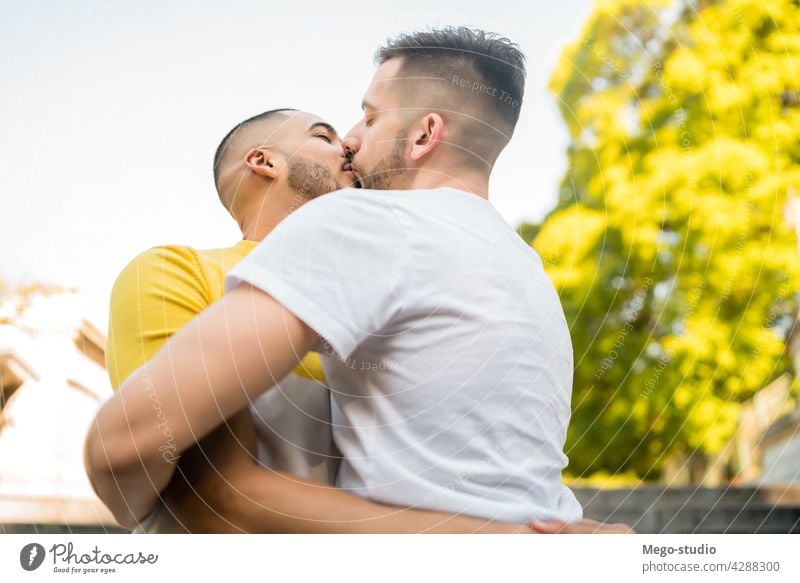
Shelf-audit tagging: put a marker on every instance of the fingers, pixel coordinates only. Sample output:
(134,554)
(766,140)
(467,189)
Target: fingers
(548,526)
(585,526)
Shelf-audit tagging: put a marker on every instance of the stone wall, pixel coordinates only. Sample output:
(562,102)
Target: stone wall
(654,509)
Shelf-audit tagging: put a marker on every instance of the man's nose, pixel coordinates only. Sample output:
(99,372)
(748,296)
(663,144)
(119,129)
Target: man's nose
(350,144)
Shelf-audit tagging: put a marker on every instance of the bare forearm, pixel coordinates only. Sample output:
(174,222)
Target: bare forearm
(220,487)
(254,499)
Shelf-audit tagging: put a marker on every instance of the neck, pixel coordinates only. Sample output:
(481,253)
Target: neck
(468,181)
(260,214)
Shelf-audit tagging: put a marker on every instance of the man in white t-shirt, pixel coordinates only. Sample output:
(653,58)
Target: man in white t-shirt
(449,357)
(446,348)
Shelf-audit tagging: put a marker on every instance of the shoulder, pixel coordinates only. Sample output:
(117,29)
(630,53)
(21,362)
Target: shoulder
(154,295)
(165,255)
(159,267)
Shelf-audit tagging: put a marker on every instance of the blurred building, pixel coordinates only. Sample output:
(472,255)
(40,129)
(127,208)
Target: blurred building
(779,447)
(52,380)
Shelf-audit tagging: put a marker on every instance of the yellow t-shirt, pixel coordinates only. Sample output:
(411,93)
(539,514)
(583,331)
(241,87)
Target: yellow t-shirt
(159,292)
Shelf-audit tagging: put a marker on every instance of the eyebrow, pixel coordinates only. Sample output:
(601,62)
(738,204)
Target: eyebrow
(367,105)
(325,126)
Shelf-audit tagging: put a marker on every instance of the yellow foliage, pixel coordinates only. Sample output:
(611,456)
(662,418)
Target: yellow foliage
(670,247)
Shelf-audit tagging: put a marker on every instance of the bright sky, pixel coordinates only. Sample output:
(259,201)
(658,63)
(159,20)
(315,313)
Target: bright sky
(110,113)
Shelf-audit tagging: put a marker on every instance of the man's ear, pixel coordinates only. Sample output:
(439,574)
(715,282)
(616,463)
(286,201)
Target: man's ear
(426,135)
(264,162)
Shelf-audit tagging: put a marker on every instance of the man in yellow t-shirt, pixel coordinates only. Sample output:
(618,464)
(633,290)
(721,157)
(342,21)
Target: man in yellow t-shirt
(264,168)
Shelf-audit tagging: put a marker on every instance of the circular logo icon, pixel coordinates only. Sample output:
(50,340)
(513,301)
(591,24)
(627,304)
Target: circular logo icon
(31,556)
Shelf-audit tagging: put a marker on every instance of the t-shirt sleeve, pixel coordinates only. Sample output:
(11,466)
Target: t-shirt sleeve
(153,297)
(337,264)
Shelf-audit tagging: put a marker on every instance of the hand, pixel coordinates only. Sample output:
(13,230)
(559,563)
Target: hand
(585,526)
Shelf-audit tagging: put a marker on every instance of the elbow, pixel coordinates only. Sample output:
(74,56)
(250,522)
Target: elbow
(108,464)
(105,455)
(96,464)
(111,460)
(118,441)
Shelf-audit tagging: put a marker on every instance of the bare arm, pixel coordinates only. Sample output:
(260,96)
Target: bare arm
(221,488)
(210,369)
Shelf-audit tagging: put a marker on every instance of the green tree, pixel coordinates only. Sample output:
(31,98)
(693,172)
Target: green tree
(668,246)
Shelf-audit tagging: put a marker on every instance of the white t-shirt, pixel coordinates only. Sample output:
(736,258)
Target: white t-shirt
(447,351)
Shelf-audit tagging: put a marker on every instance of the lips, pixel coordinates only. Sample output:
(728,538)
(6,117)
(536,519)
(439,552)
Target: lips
(353,174)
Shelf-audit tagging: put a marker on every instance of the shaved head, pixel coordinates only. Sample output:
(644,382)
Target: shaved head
(251,132)
(287,154)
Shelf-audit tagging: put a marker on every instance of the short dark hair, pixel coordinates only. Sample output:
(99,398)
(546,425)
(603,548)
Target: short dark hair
(224,145)
(494,60)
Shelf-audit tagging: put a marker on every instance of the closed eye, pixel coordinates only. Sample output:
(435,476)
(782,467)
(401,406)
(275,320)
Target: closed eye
(325,137)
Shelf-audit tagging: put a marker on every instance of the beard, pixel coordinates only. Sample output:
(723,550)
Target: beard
(386,174)
(309,179)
